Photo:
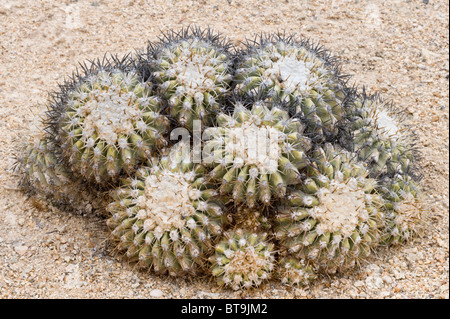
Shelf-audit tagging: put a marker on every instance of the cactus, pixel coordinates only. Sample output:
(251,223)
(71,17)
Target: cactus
(292,271)
(286,68)
(106,120)
(166,217)
(43,177)
(377,136)
(192,68)
(301,174)
(332,220)
(404,208)
(255,154)
(243,259)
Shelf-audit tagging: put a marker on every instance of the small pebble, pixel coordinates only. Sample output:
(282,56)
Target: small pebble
(21,250)
(156,293)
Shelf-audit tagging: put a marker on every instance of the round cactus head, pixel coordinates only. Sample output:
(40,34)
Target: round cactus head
(243,260)
(166,217)
(378,135)
(257,153)
(106,120)
(287,68)
(193,70)
(332,218)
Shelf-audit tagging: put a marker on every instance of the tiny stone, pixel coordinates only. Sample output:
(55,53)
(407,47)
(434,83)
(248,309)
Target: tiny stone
(156,293)
(21,250)
(387,279)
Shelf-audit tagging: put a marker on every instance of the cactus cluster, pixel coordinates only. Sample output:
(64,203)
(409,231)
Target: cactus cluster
(295,174)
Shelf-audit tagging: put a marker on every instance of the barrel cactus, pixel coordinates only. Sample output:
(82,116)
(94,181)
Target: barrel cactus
(192,68)
(243,259)
(107,120)
(404,206)
(285,67)
(166,217)
(294,272)
(256,153)
(332,219)
(43,177)
(378,136)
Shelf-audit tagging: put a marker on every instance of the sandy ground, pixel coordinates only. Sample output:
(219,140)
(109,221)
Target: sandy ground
(398,47)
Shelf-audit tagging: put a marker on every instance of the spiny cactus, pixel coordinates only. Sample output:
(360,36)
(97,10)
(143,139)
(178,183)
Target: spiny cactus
(107,120)
(404,207)
(287,68)
(333,218)
(301,174)
(378,137)
(44,177)
(243,259)
(257,153)
(193,70)
(166,217)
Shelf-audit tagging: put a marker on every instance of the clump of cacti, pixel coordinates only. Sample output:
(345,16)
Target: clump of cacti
(298,174)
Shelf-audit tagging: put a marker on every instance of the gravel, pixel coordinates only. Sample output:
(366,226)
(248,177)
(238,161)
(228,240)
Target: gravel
(399,48)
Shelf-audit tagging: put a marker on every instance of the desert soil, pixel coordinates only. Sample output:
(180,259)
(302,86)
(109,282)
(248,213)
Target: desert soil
(397,47)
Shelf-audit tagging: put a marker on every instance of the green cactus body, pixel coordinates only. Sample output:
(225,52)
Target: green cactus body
(108,121)
(45,178)
(193,72)
(255,154)
(166,217)
(378,137)
(294,272)
(242,259)
(331,220)
(284,68)
(404,208)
